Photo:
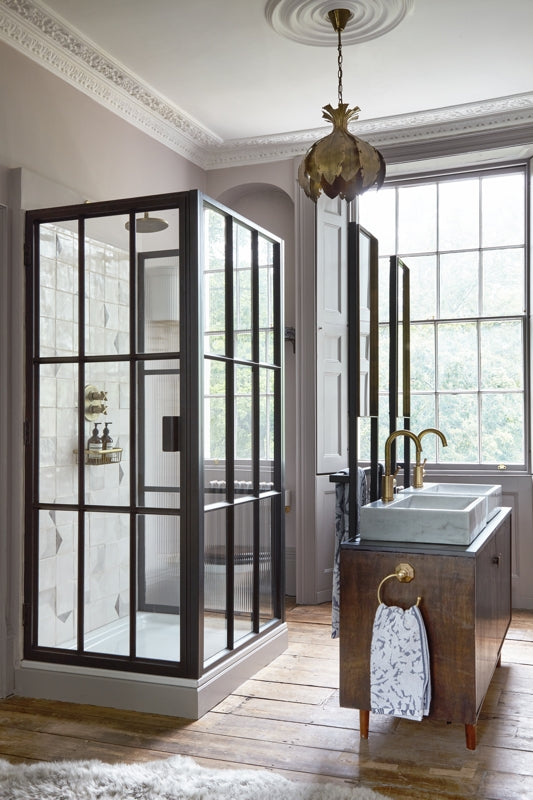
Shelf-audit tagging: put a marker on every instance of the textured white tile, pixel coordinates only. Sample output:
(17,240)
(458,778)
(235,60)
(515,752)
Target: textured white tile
(47,302)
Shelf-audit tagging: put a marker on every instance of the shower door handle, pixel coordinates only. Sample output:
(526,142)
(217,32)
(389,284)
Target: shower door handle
(171,434)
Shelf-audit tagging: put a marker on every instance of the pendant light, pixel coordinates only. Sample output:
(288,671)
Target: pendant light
(340,163)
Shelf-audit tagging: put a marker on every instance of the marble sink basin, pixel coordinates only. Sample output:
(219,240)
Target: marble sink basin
(493,493)
(419,516)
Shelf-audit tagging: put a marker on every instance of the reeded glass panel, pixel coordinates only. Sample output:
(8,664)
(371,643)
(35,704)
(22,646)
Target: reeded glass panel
(243,569)
(459,282)
(498,371)
(422,287)
(159,327)
(503,282)
(502,209)
(58,579)
(107,404)
(159,432)
(502,428)
(266,429)
(457,356)
(215,430)
(107,583)
(266,594)
(243,429)
(458,420)
(58,433)
(107,286)
(266,300)
(214,296)
(459,214)
(215,565)
(58,292)
(417,222)
(242,291)
(158,610)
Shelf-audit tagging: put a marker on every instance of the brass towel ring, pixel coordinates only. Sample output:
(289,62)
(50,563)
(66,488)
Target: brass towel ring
(405,574)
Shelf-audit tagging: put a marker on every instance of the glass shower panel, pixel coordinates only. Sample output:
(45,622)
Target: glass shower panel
(214,280)
(58,433)
(159,327)
(243,569)
(107,583)
(242,291)
(215,566)
(58,579)
(243,430)
(107,286)
(214,431)
(266,429)
(266,586)
(159,433)
(266,300)
(158,609)
(107,411)
(58,290)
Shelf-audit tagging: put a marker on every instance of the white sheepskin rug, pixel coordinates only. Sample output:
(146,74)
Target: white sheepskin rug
(177,778)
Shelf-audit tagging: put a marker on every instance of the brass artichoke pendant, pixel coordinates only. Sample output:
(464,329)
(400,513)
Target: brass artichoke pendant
(340,163)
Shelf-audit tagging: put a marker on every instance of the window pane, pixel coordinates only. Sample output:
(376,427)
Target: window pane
(243,428)
(457,356)
(58,292)
(458,420)
(503,282)
(422,353)
(423,286)
(502,363)
(266,587)
(417,224)
(502,429)
(377,215)
(383,289)
(58,433)
(266,300)
(422,417)
(459,214)
(502,210)
(243,569)
(459,281)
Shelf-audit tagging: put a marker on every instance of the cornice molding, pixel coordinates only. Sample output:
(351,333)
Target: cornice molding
(30,28)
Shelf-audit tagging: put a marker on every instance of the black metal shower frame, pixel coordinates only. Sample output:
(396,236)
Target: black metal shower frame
(190,206)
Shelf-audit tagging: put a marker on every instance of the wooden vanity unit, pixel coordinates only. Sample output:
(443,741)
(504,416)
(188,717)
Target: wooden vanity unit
(466,605)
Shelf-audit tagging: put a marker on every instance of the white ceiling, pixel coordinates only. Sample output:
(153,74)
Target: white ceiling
(230,79)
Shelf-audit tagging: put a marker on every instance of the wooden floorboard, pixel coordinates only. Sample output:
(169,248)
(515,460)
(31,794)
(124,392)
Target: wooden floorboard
(287,719)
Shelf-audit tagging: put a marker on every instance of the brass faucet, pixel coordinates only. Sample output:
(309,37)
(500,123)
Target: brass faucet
(418,470)
(387,482)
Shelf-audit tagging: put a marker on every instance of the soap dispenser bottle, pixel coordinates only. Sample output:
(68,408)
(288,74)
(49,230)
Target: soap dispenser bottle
(107,441)
(94,442)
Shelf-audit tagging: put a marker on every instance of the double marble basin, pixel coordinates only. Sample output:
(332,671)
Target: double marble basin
(439,513)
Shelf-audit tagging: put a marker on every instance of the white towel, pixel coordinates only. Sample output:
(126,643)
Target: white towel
(400,682)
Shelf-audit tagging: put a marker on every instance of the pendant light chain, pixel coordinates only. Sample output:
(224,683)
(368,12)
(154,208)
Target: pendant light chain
(339,61)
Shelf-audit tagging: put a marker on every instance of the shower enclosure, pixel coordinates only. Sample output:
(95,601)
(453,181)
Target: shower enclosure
(154,468)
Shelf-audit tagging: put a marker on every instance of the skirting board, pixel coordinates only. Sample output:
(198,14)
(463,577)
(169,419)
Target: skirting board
(153,694)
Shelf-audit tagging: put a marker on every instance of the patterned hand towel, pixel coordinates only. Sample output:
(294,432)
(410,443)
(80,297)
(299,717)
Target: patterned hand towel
(400,682)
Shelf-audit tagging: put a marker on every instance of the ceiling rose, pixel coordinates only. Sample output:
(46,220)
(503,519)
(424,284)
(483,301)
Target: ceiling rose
(306,21)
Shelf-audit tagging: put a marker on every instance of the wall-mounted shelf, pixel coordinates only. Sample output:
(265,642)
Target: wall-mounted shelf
(98,457)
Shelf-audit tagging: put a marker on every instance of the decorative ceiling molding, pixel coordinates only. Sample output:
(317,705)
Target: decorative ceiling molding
(30,28)
(307,22)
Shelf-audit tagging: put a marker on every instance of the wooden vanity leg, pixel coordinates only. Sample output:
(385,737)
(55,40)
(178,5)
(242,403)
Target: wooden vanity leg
(364,717)
(470,733)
